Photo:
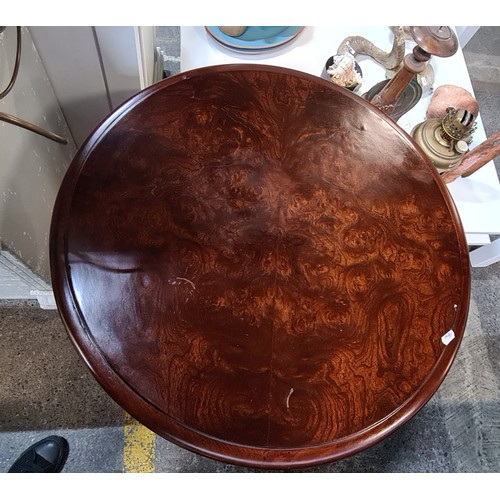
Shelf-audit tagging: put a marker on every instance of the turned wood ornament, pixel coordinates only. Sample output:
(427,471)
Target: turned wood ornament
(260,266)
(431,40)
(474,159)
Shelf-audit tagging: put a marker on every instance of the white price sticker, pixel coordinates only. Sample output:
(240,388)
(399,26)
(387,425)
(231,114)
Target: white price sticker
(448,337)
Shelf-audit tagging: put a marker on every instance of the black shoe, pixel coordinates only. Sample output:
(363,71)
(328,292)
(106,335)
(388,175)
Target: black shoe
(48,455)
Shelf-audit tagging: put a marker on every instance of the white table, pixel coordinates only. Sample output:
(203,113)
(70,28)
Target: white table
(477,197)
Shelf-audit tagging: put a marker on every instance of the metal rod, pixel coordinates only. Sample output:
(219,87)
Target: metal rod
(16,65)
(14,120)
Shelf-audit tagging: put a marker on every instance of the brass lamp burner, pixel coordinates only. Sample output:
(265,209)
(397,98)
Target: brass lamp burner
(446,140)
(458,124)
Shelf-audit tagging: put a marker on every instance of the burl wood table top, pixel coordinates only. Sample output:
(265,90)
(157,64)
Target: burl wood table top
(260,266)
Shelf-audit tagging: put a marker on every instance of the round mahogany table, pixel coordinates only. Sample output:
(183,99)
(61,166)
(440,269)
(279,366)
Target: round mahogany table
(260,266)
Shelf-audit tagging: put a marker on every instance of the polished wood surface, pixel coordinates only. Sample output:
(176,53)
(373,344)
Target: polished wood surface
(260,266)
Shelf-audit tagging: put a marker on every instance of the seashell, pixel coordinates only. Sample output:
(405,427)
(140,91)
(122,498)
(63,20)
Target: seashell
(343,71)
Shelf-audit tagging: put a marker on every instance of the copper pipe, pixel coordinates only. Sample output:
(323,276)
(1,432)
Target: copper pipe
(14,120)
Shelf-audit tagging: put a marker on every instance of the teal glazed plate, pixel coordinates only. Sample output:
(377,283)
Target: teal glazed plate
(255,38)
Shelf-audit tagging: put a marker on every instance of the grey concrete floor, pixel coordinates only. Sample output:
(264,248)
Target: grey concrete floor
(45,388)
(482,55)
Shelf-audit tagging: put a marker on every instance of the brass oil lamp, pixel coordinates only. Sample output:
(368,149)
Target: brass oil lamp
(446,140)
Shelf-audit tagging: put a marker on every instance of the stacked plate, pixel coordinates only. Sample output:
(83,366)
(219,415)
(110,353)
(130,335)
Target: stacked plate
(255,39)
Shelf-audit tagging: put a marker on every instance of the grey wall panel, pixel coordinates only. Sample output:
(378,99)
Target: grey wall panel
(72,61)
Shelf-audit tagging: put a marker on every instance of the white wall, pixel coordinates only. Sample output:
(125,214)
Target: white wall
(70,79)
(72,62)
(465,33)
(31,166)
(94,69)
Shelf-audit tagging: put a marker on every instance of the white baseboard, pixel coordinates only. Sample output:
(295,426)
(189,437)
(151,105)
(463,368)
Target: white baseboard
(18,282)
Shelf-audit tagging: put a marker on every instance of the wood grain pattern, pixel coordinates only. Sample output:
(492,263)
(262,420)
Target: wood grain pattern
(259,266)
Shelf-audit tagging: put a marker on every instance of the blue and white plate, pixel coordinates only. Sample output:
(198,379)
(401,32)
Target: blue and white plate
(256,38)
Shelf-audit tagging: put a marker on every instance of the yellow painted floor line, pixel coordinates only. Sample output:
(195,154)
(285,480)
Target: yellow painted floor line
(139,447)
